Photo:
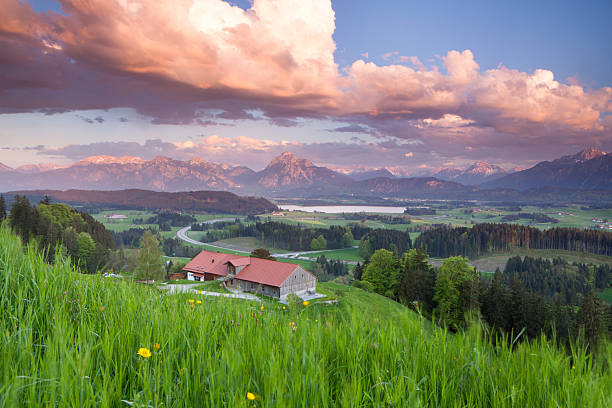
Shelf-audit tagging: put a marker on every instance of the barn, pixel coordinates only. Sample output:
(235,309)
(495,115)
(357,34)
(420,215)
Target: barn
(270,278)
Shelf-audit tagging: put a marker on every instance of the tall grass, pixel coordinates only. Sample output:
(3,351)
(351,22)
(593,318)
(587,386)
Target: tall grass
(58,347)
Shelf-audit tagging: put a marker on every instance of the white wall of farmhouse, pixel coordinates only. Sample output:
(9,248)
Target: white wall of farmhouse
(299,281)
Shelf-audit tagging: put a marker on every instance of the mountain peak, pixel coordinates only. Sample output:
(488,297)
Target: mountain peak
(589,153)
(161,159)
(291,160)
(484,168)
(287,170)
(105,159)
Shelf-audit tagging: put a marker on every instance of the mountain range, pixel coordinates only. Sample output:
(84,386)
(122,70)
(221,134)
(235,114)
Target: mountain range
(478,173)
(288,175)
(590,169)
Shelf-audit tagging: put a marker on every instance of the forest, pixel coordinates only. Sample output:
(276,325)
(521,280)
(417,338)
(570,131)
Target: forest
(529,298)
(85,240)
(486,238)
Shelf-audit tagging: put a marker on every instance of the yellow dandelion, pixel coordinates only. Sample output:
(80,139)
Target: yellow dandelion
(284,307)
(191,301)
(157,346)
(101,308)
(251,396)
(144,352)
(305,303)
(199,302)
(261,307)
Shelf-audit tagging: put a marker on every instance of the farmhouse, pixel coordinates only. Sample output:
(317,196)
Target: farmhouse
(270,278)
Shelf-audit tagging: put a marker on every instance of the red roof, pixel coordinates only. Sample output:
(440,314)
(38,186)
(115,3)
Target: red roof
(209,262)
(267,272)
(241,261)
(256,270)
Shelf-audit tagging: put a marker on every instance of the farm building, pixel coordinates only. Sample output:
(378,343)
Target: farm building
(270,278)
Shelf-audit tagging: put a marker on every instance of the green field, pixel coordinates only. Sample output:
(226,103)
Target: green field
(493,261)
(242,244)
(73,340)
(567,216)
(346,254)
(606,295)
(571,216)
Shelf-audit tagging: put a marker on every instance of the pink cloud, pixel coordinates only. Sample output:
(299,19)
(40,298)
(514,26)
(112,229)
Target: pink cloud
(174,59)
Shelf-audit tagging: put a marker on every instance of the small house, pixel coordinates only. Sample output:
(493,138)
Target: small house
(270,278)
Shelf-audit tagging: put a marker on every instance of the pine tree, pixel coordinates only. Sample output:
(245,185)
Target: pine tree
(2,208)
(22,218)
(418,280)
(495,303)
(592,319)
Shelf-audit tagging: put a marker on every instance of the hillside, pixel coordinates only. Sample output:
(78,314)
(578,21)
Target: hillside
(214,353)
(210,201)
(590,169)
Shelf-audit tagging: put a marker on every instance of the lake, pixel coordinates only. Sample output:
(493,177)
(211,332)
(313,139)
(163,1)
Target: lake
(336,209)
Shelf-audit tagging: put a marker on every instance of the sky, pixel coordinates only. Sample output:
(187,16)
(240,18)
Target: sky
(409,85)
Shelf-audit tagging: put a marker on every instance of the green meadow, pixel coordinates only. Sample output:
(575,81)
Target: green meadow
(70,340)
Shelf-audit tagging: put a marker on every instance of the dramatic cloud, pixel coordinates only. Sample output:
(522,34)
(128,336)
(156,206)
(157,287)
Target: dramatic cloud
(177,60)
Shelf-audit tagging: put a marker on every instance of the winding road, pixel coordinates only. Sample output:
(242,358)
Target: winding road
(182,234)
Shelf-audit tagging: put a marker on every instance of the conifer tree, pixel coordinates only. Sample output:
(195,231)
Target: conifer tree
(2,208)
(592,319)
(418,280)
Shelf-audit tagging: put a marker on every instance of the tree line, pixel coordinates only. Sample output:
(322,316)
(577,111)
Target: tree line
(85,240)
(329,269)
(486,238)
(509,302)
(166,220)
(298,238)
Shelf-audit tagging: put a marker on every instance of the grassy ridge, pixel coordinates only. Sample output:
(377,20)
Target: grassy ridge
(72,340)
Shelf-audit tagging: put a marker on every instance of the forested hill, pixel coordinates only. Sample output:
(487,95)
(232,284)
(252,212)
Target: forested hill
(211,201)
(487,238)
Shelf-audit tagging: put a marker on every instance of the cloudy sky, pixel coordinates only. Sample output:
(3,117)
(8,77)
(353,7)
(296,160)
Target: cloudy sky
(410,85)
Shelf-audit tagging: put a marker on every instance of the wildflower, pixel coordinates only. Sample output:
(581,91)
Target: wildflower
(101,308)
(573,367)
(316,321)
(157,346)
(284,308)
(199,302)
(261,307)
(251,396)
(306,303)
(191,301)
(144,352)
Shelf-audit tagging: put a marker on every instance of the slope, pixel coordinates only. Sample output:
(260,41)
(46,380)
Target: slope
(73,340)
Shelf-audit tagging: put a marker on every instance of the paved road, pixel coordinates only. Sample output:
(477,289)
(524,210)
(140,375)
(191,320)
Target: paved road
(182,234)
